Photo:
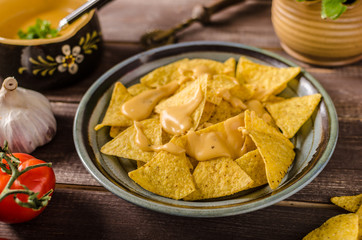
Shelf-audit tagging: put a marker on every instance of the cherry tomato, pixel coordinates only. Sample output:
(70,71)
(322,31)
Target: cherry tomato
(39,180)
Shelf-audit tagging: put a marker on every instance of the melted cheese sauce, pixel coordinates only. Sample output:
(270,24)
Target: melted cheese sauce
(257,107)
(215,144)
(234,101)
(18,15)
(176,120)
(141,106)
(144,144)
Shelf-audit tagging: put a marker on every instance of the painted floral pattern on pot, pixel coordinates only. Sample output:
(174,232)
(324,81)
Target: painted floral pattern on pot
(68,60)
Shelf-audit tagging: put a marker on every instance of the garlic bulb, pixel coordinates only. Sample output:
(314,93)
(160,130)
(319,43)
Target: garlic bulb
(26,118)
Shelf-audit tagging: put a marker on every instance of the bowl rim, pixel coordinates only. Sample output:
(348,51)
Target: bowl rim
(82,143)
(69,34)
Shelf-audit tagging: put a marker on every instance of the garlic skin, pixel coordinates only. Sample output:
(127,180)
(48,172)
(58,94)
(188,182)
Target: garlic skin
(26,118)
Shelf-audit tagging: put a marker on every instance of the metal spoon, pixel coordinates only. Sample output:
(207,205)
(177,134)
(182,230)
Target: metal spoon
(86,7)
(200,14)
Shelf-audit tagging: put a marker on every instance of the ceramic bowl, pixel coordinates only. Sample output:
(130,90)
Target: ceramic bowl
(306,36)
(314,143)
(47,63)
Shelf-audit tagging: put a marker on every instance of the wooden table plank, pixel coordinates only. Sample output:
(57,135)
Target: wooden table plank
(82,209)
(243,23)
(87,214)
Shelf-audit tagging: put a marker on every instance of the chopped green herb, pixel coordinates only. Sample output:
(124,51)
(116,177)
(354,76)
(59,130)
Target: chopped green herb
(41,29)
(333,9)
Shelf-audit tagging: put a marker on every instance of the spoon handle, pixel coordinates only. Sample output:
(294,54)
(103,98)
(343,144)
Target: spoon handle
(86,7)
(200,13)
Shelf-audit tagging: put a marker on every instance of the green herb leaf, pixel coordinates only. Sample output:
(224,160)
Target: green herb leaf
(332,8)
(41,29)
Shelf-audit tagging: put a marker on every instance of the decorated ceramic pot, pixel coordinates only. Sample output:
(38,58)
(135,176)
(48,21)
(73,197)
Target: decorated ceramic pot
(307,37)
(52,62)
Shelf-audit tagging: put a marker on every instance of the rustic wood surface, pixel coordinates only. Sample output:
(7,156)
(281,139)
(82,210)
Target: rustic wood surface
(82,209)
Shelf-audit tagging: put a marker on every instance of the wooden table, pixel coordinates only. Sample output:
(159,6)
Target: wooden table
(82,209)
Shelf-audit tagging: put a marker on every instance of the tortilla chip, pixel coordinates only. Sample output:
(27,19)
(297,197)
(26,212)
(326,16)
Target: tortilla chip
(140,164)
(217,178)
(166,137)
(253,164)
(275,149)
(292,113)
(187,68)
(114,116)
(218,83)
(166,174)
(259,109)
(198,66)
(224,111)
(344,226)
(136,89)
(193,162)
(273,99)
(243,91)
(184,96)
(230,67)
(181,142)
(209,109)
(124,144)
(163,75)
(268,80)
(248,146)
(359,213)
(350,203)
(114,131)
(256,123)
(277,155)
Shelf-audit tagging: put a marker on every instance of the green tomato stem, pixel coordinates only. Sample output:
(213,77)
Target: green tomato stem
(33,201)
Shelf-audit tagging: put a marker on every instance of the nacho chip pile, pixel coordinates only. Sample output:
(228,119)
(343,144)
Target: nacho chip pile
(344,226)
(211,129)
